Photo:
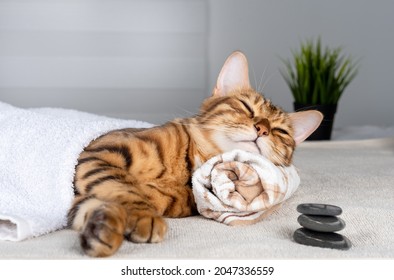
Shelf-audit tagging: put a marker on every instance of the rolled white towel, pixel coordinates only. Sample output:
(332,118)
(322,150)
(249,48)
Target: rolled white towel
(238,187)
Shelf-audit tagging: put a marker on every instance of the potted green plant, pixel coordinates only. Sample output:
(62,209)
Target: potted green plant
(317,79)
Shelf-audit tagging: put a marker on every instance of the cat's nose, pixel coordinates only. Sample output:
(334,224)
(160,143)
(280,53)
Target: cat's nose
(263,128)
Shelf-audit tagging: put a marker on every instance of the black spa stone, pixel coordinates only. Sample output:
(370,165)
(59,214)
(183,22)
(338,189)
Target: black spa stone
(319,209)
(321,239)
(321,223)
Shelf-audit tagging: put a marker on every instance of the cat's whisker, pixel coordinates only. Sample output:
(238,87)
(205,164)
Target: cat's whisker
(215,127)
(254,76)
(208,127)
(259,89)
(266,82)
(189,113)
(176,116)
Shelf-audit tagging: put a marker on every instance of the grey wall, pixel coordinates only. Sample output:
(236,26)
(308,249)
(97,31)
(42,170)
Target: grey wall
(157,59)
(141,59)
(266,30)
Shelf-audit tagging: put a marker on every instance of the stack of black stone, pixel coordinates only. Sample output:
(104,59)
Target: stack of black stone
(320,222)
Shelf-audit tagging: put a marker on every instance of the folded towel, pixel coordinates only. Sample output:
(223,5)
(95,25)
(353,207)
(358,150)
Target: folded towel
(39,149)
(239,188)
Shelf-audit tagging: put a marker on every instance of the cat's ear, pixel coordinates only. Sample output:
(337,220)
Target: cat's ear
(233,76)
(305,123)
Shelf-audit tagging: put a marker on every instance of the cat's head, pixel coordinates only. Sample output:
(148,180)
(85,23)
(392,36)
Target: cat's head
(242,118)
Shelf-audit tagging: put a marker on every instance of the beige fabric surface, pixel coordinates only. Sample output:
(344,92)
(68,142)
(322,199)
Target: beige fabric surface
(355,175)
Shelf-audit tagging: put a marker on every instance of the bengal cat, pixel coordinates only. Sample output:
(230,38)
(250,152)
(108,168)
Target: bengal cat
(128,180)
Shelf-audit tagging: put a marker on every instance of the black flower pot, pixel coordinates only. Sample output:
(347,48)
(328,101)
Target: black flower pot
(323,132)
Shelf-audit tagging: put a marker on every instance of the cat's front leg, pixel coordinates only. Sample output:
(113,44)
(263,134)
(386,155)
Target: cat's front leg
(101,225)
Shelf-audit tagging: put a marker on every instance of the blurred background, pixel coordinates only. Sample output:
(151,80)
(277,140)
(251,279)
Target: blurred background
(156,60)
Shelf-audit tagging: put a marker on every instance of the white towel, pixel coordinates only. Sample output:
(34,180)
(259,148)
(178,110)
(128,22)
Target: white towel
(39,149)
(239,188)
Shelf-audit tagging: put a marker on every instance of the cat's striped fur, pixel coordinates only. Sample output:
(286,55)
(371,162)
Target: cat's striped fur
(128,180)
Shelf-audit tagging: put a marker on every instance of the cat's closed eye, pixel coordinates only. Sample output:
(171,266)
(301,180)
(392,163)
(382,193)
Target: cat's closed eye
(280,130)
(248,109)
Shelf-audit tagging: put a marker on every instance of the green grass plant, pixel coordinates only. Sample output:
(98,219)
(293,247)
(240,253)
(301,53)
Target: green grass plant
(317,75)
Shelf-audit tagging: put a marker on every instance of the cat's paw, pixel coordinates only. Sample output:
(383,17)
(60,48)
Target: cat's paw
(103,232)
(147,229)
